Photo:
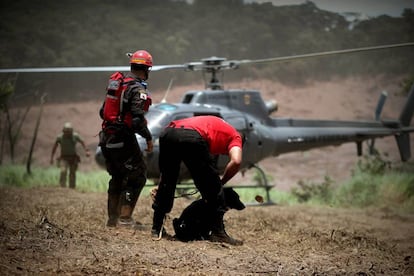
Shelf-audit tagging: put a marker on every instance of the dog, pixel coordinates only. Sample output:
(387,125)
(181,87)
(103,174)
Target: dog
(195,222)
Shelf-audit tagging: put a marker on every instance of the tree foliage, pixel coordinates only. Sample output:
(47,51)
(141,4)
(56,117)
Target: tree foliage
(99,32)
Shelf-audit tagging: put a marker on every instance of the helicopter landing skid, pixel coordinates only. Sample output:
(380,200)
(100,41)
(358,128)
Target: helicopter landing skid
(261,184)
(188,190)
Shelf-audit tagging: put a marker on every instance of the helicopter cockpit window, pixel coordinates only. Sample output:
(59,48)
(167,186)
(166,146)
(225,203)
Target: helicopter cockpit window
(167,107)
(187,98)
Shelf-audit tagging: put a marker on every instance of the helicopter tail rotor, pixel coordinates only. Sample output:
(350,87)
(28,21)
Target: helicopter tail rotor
(403,139)
(378,111)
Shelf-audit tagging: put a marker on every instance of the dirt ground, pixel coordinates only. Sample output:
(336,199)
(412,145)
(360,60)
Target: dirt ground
(52,231)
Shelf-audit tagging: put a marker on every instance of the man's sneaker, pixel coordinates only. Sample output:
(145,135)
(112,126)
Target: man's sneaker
(223,237)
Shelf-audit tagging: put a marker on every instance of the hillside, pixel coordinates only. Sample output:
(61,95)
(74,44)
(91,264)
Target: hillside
(98,33)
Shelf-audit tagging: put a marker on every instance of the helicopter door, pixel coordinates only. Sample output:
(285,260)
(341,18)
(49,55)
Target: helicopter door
(252,139)
(240,124)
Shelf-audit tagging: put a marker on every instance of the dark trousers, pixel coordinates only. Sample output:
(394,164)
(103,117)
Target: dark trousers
(184,145)
(126,166)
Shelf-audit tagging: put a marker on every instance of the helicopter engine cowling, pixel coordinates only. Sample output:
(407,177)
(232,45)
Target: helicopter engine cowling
(271,106)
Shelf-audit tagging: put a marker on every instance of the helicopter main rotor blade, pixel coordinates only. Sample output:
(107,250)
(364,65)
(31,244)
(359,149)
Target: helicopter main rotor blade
(86,69)
(65,69)
(212,64)
(319,54)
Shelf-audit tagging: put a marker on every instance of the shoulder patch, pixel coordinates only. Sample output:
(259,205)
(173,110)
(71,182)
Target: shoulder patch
(143,96)
(113,85)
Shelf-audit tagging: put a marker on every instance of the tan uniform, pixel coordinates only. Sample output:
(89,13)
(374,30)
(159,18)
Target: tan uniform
(68,159)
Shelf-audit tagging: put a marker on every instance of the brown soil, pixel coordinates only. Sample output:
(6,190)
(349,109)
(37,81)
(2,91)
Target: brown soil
(60,231)
(56,230)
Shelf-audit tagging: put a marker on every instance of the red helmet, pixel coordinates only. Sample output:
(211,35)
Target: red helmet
(141,57)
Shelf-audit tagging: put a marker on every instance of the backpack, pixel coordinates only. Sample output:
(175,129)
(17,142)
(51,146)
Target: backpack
(113,109)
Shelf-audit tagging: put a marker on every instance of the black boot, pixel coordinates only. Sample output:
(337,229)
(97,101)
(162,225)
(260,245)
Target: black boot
(157,224)
(218,234)
(125,216)
(113,210)
(128,202)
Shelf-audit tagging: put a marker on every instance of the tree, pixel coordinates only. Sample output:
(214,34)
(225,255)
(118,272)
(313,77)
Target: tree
(39,117)
(12,126)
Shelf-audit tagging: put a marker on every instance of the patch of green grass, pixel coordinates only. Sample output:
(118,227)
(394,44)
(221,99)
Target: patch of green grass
(392,190)
(373,184)
(313,192)
(17,176)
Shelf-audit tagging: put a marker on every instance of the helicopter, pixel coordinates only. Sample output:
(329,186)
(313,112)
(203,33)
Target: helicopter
(265,136)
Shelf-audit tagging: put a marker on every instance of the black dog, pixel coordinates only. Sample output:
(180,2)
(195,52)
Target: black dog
(195,222)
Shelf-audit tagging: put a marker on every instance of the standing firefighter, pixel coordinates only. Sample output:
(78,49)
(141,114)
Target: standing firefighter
(68,159)
(122,112)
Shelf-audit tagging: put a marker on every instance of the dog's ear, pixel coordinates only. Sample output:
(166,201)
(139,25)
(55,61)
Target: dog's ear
(232,199)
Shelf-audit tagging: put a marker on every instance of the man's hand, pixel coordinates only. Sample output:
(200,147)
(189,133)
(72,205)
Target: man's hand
(153,193)
(150,146)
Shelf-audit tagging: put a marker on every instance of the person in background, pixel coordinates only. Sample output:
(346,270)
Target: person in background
(69,158)
(196,141)
(123,115)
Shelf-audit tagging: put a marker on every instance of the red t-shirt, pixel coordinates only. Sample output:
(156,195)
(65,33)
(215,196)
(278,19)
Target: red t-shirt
(219,134)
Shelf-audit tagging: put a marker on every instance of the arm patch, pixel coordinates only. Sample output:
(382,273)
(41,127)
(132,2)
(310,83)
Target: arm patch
(142,96)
